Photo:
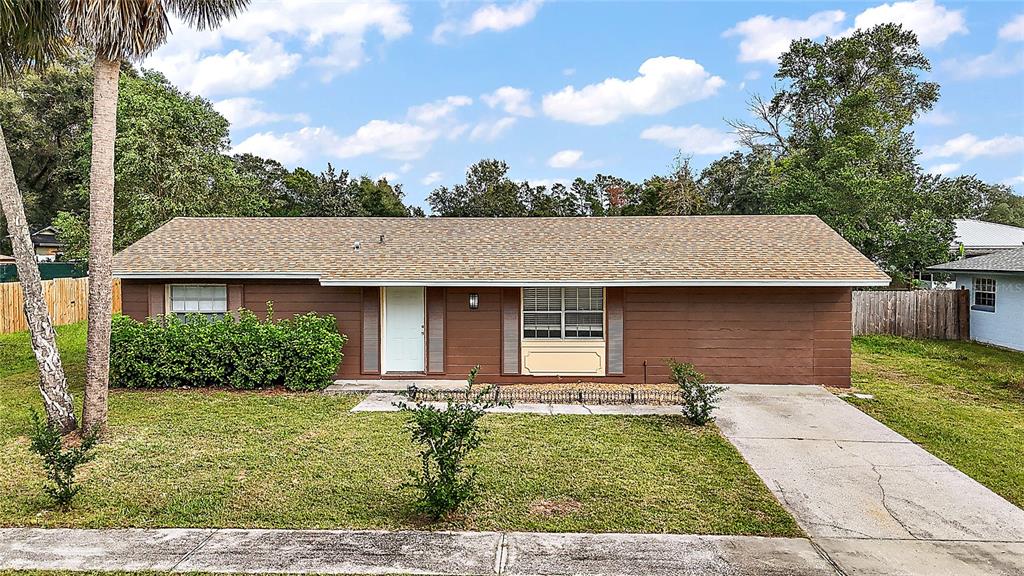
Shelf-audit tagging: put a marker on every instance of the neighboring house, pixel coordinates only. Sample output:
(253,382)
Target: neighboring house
(996,282)
(979,238)
(974,238)
(48,247)
(750,299)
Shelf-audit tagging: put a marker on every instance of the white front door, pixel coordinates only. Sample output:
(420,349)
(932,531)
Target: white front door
(403,329)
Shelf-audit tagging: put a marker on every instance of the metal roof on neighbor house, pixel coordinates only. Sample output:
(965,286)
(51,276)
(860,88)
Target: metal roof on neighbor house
(658,250)
(978,234)
(1006,261)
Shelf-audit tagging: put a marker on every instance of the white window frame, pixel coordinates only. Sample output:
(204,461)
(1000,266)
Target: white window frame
(169,300)
(561,313)
(978,290)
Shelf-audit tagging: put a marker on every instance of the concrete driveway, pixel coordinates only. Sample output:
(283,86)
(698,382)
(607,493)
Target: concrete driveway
(875,502)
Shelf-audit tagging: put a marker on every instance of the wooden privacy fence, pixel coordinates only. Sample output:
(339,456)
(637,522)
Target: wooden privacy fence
(66,298)
(939,314)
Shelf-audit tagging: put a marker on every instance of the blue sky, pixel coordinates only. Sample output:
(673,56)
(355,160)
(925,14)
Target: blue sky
(419,91)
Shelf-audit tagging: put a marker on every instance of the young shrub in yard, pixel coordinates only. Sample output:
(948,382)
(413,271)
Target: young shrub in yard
(60,461)
(700,397)
(447,436)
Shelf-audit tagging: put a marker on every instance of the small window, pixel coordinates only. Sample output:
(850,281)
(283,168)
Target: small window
(210,301)
(563,313)
(985,294)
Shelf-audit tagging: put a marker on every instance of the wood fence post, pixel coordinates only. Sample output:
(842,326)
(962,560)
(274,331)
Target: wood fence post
(963,316)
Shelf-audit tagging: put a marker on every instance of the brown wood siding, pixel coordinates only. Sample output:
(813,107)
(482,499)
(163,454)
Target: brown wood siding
(370,335)
(435,329)
(735,335)
(474,336)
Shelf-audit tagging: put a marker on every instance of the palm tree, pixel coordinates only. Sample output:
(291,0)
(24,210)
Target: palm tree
(118,30)
(30,37)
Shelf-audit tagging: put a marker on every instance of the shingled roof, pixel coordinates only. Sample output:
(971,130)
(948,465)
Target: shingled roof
(1006,261)
(659,250)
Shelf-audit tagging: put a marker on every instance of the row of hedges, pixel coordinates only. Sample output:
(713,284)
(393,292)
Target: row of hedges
(300,353)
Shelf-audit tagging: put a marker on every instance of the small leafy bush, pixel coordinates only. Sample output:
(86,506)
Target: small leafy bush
(447,436)
(700,396)
(60,461)
(245,353)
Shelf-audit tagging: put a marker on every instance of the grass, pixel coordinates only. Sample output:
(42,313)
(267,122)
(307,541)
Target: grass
(201,458)
(961,401)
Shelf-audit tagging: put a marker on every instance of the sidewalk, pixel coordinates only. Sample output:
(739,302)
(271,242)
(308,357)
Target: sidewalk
(376,552)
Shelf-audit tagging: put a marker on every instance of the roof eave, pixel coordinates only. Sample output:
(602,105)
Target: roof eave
(859,282)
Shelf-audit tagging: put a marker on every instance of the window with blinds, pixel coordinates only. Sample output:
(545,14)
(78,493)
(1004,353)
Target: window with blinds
(210,301)
(563,313)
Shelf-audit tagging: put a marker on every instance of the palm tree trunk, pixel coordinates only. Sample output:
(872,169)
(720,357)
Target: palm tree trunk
(101,241)
(53,385)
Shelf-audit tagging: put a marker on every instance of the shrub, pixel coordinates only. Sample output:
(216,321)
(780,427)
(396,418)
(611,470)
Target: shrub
(301,353)
(447,436)
(700,397)
(312,351)
(59,461)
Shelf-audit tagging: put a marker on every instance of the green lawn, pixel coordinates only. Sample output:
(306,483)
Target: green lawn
(272,459)
(961,401)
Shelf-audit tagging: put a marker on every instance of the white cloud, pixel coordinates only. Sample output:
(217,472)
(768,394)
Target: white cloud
(243,112)
(765,38)
(1013,180)
(396,140)
(405,168)
(391,177)
(568,71)
(515,101)
(695,139)
(664,83)
(943,169)
(969,146)
(996,64)
(932,23)
(333,37)
(501,18)
(432,178)
(492,17)
(287,149)
(438,110)
(936,117)
(565,159)
(237,71)
(491,130)
(1013,31)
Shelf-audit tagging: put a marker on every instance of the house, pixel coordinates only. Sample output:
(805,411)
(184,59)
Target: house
(977,238)
(48,247)
(751,299)
(996,284)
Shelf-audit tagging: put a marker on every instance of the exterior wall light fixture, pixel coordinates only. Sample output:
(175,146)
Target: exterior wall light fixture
(474,301)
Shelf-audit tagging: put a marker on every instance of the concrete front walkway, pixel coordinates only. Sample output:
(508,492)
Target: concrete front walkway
(372,552)
(872,500)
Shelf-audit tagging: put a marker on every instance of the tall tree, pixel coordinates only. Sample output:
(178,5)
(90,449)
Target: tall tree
(30,36)
(838,131)
(118,30)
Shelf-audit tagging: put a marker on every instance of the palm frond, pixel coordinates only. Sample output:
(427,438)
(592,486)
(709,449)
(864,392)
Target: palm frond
(32,34)
(118,29)
(205,14)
